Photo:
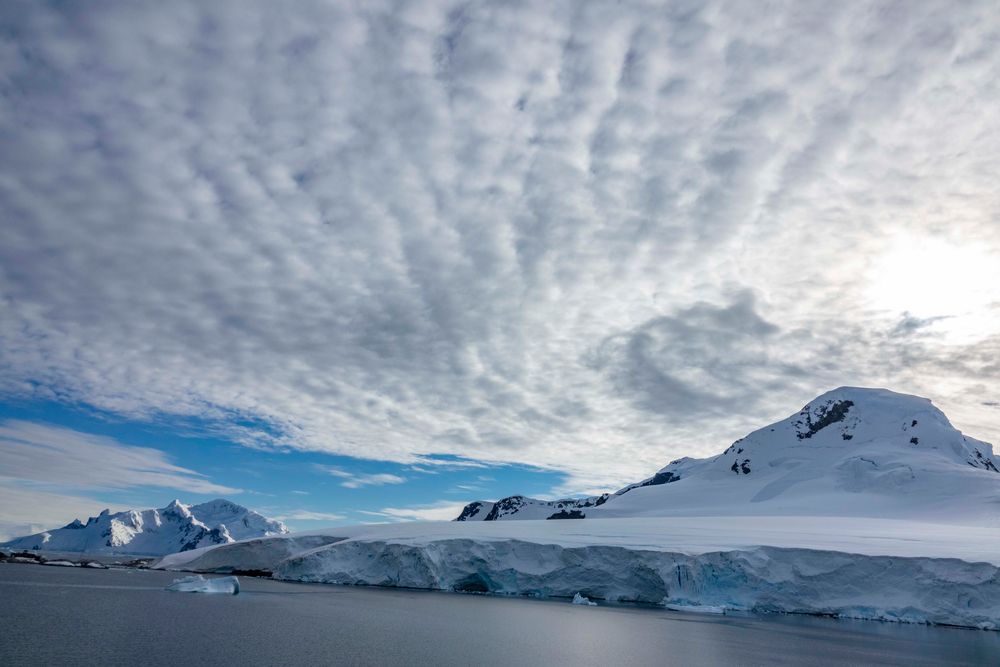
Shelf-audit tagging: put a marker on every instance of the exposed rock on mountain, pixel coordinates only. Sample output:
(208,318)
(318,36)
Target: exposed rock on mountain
(849,452)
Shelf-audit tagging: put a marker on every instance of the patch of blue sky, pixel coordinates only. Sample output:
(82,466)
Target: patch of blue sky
(305,489)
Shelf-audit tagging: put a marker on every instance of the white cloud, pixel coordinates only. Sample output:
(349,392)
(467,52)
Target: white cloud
(42,454)
(448,464)
(25,511)
(354,480)
(48,475)
(308,515)
(444,510)
(511,233)
(465,488)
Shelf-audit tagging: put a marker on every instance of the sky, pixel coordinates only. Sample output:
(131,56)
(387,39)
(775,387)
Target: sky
(371,261)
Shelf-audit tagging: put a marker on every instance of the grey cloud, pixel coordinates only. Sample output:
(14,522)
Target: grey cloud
(702,359)
(910,324)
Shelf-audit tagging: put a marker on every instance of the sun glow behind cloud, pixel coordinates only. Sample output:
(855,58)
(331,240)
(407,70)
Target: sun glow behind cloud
(954,286)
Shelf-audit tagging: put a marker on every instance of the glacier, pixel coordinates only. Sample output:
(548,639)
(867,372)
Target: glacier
(880,569)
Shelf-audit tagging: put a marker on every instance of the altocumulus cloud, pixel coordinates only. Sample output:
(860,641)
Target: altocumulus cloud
(588,236)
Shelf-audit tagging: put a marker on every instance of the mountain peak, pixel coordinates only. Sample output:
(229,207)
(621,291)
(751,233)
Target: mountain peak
(850,412)
(145,532)
(220,504)
(852,451)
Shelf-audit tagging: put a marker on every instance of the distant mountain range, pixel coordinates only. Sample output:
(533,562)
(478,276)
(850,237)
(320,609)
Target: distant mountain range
(155,532)
(849,452)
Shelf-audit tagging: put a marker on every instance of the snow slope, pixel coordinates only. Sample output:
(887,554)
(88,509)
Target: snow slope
(155,532)
(850,452)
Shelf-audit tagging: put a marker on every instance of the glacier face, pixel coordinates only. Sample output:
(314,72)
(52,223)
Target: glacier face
(155,532)
(941,591)
(877,569)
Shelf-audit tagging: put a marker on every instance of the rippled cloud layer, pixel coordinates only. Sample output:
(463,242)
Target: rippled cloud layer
(588,236)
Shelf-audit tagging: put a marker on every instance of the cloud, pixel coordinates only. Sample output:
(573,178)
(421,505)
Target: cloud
(465,488)
(444,510)
(354,480)
(25,511)
(50,475)
(41,454)
(450,464)
(307,515)
(589,237)
(701,359)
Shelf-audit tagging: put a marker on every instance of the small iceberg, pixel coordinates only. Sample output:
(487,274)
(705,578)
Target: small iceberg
(579,599)
(199,584)
(696,608)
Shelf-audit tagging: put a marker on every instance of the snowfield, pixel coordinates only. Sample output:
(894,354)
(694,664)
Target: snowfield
(686,535)
(864,504)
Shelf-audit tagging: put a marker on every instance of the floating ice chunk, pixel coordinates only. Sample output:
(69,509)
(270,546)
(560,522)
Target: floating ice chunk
(199,584)
(696,608)
(579,599)
(61,563)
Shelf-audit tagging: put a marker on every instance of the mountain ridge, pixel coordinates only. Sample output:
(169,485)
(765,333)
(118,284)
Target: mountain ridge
(155,532)
(852,450)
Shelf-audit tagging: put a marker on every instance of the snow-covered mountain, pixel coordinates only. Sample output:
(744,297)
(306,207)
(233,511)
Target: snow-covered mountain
(156,532)
(849,452)
(521,507)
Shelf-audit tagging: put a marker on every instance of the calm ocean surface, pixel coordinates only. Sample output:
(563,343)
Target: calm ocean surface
(64,616)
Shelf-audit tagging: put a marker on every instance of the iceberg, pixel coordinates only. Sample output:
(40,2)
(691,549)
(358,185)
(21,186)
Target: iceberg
(199,584)
(695,608)
(579,599)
